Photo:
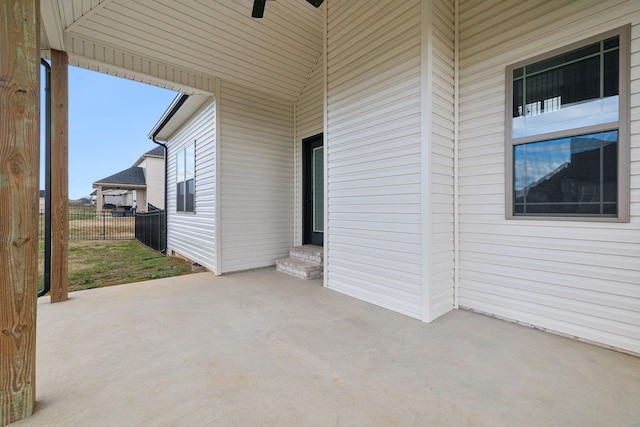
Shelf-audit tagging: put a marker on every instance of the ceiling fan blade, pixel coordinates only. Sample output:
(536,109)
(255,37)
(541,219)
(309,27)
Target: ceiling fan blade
(258,8)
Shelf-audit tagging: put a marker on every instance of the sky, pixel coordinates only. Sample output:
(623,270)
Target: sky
(109,120)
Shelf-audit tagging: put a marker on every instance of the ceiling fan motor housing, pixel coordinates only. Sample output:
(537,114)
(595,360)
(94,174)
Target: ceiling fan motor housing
(258,7)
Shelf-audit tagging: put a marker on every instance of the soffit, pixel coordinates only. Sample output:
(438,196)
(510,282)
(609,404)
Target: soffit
(192,42)
(164,129)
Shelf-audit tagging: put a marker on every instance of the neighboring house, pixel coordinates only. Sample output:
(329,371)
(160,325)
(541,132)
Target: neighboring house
(152,164)
(142,184)
(117,198)
(406,136)
(83,201)
(80,202)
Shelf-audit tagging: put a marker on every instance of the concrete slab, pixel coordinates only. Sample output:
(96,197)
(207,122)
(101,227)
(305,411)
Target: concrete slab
(261,348)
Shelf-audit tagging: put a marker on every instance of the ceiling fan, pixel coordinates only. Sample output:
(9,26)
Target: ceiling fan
(258,7)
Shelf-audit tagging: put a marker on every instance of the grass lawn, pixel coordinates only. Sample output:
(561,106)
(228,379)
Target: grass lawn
(99,263)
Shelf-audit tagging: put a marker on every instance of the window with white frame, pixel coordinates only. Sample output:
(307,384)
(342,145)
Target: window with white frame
(185,176)
(567,132)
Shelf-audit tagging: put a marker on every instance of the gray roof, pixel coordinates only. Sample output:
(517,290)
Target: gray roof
(158,151)
(133,176)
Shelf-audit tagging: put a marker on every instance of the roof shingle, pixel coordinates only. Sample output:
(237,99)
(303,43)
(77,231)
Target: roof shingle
(132,176)
(158,151)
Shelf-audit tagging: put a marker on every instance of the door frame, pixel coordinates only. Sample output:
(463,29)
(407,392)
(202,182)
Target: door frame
(309,236)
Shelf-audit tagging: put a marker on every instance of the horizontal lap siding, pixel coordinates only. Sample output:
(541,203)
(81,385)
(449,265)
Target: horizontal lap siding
(374,152)
(309,122)
(193,234)
(256,178)
(442,240)
(577,278)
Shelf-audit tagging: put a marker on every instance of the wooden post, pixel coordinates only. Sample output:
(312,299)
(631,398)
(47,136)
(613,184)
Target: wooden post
(59,176)
(19,194)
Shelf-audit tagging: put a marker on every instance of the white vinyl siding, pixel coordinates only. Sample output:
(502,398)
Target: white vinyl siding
(193,234)
(374,153)
(577,278)
(154,175)
(441,268)
(309,122)
(256,178)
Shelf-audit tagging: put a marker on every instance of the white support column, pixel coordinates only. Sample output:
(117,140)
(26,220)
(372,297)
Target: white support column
(99,199)
(426,143)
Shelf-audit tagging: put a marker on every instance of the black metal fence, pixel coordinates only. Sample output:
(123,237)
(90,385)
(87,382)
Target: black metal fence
(85,223)
(150,229)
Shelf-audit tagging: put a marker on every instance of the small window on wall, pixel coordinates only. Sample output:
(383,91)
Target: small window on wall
(185,174)
(567,132)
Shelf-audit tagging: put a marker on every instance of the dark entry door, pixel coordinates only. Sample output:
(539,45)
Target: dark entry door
(313,190)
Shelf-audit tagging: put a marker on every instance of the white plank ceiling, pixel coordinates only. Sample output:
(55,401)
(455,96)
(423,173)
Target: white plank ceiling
(185,44)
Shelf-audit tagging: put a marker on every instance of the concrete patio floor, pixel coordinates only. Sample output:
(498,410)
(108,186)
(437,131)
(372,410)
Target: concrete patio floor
(261,349)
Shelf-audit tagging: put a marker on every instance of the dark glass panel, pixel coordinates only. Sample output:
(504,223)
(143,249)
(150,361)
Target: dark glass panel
(563,209)
(519,208)
(561,59)
(587,209)
(180,197)
(580,81)
(517,73)
(518,106)
(190,197)
(543,86)
(610,209)
(567,175)
(611,76)
(612,42)
(610,171)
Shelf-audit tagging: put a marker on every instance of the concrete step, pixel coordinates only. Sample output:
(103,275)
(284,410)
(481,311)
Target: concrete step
(310,253)
(299,268)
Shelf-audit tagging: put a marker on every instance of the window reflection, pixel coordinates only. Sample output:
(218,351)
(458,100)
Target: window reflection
(576,175)
(190,162)
(185,173)
(318,189)
(550,115)
(572,90)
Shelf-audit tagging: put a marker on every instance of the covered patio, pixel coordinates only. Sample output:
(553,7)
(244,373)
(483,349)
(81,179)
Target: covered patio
(411,102)
(261,348)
